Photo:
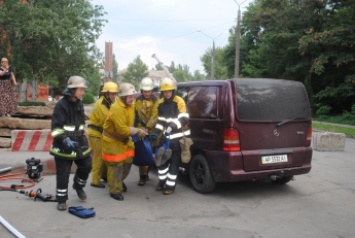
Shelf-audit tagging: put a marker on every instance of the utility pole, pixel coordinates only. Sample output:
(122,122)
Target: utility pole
(213,53)
(237,44)
(108,61)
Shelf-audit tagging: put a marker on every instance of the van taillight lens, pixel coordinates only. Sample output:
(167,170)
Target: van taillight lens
(231,140)
(309,136)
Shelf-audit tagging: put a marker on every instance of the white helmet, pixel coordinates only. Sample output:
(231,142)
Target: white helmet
(126,89)
(147,84)
(76,82)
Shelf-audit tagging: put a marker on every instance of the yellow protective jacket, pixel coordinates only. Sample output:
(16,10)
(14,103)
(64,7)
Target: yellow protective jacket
(145,117)
(172,113)
(117,144)
(98,117)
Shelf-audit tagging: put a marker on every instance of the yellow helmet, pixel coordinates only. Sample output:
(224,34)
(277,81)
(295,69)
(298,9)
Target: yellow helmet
(110,87)
(126,89)
(167,84)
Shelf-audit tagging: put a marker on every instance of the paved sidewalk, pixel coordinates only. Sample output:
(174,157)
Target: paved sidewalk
(17,160)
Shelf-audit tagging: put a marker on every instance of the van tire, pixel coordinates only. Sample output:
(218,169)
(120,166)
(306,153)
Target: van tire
(200,175)
(283,180)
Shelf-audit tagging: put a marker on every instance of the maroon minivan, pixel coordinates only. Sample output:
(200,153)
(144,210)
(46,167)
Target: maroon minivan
(247,129)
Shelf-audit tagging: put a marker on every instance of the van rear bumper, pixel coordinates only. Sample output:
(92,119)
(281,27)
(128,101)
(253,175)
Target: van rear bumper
(228,167)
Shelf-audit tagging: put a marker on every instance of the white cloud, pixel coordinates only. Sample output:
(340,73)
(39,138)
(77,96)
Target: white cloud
(167,28)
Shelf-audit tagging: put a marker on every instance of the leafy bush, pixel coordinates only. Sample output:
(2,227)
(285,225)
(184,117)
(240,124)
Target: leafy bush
(323,110)
(88,98)
(353,109)
(31,103)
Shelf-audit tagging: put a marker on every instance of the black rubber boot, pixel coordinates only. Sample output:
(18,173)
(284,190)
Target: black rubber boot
(160,187)
(62,206)
(100,185)
(124,187)
(80,192)
(142,180)
(117,196)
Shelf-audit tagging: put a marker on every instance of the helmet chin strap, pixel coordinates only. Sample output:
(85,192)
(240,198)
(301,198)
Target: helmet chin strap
(107,97)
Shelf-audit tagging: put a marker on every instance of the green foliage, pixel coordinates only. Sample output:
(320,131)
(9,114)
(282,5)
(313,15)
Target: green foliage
(88,98)
(220,69)
(323,110)
(307,41)
(136,71)
(52,40)
(31,103)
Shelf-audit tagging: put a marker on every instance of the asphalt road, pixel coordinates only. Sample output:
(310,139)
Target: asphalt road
(318,204)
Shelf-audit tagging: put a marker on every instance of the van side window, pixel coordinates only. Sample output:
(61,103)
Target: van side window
(201,102)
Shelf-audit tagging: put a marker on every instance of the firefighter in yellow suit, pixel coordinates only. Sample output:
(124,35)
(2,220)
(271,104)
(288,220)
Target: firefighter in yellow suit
(145,118)
(117,145)
(95,129)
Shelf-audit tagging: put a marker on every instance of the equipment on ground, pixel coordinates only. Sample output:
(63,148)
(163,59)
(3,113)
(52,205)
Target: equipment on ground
(38,195)
(34,168)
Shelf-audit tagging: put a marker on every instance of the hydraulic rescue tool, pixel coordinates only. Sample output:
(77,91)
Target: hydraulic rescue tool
(38,195)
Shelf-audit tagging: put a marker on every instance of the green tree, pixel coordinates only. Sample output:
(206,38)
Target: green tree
(52,40)
(136,71)
(308,41)
(220,68)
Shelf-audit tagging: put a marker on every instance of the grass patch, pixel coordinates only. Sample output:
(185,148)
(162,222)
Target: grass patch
(333,128)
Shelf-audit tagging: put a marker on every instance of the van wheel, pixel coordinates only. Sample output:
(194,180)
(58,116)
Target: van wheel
(200,175)
(283,180)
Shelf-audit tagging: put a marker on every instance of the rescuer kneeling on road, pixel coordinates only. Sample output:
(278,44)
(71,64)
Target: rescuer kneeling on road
(70,142)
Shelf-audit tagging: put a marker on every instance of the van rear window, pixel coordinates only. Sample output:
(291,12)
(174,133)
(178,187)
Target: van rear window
(271,100)
(201,101)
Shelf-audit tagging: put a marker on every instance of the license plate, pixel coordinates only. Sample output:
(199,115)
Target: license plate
(272,159)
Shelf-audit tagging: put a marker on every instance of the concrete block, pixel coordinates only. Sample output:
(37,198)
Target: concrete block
(328,141)
(31,140)
(5,142)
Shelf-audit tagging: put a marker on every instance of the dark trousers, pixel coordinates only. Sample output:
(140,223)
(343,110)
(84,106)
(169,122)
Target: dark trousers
(168,172)
(63,168)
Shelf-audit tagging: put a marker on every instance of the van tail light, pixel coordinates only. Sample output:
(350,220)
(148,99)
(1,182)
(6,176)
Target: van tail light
(309,136)
(231,140)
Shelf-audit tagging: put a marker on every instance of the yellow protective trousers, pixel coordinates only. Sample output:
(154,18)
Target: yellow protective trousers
(116,173)
(99,169)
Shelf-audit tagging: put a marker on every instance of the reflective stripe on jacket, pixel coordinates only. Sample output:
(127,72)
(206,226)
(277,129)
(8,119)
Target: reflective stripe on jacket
(172,112)
(119,119)
(68,120)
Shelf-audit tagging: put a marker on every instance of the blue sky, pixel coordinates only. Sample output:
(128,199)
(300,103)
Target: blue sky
(168,28)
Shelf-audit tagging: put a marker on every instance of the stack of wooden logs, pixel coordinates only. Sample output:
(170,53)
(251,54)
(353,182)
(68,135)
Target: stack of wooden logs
(26,118)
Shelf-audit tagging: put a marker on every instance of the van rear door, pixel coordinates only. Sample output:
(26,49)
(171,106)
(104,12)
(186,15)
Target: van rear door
(274,123)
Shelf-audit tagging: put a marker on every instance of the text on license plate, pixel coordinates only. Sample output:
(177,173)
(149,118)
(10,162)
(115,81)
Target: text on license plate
(271,159)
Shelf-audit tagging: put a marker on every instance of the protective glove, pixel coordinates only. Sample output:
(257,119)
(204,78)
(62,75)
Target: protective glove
(153,136)
(168,131)
(136,131)
(141,133)
(69,143)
